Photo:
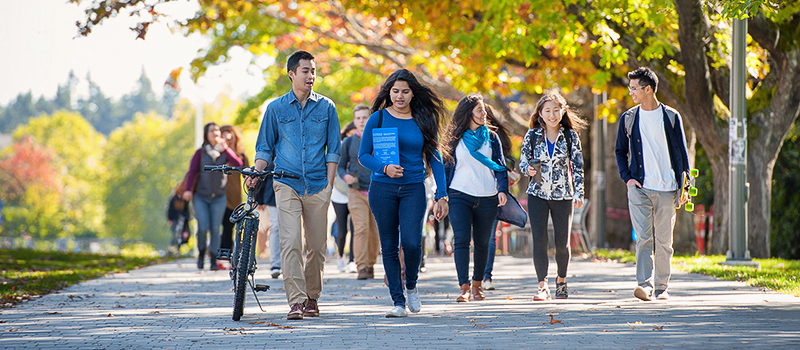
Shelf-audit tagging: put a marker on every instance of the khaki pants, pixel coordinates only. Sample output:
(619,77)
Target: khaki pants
(302,282)
(366,241)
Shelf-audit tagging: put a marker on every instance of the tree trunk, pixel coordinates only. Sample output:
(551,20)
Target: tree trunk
(718,243)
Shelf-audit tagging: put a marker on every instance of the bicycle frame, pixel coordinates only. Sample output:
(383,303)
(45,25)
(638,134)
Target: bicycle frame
(243,255)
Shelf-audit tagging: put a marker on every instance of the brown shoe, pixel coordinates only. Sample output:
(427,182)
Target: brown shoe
(311,309)
(371,272)
(296,313)
(477,291)
(363,273)
(463,296)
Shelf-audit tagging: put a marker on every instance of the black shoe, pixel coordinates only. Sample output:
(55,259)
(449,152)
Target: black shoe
(214,266)
(201,255)
(561,290)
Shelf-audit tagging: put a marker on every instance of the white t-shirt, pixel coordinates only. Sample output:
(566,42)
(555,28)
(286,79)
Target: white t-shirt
(658,173)
(338,197)
(471,176)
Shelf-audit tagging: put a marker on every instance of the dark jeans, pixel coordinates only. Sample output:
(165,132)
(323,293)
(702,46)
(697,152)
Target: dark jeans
(472,218)
(487,275)
(561,212)
(389,203)
(342,216)
(226,241)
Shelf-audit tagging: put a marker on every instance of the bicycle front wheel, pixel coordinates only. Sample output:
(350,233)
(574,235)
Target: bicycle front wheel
(242,268)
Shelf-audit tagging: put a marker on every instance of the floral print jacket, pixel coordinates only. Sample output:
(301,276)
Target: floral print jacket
(556,183)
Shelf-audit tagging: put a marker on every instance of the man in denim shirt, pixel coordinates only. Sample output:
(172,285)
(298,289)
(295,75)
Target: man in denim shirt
(300,130)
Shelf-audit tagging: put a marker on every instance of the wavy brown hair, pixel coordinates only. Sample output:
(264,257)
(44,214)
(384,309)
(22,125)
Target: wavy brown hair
(237,146)
(459,124)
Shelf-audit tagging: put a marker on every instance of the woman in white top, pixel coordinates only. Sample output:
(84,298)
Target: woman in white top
(339,201)
(477,183)
(551,149)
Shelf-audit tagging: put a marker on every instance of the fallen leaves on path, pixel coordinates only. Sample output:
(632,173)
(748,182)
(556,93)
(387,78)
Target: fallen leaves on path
(279,326)
(553,320)
(658,328)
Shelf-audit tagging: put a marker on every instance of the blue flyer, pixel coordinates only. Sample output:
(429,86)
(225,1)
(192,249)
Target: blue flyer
(385,145)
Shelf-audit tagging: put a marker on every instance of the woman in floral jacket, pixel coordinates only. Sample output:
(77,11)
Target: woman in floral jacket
(551,155)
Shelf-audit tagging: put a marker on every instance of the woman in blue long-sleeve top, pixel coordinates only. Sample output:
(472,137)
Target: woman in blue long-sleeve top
(398,190)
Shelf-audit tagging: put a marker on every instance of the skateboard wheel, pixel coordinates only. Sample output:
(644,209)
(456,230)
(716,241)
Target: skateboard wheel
(694,172)
(689,206)
(693,191)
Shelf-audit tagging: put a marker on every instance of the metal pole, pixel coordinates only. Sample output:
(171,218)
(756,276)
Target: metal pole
(737,150)
(598,196)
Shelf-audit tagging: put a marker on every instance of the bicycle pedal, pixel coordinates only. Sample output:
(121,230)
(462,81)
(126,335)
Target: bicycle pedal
(261,288)
(224,254)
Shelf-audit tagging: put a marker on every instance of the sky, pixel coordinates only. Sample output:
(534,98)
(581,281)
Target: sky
(41,45)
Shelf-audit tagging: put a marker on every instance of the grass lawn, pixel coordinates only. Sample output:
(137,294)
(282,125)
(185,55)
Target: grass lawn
(777,274)
(28,273)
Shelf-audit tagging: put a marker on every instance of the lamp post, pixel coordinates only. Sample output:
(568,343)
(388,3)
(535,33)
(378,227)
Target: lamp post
(738,188)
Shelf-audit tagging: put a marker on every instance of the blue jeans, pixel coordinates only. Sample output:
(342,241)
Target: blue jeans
(472,218)
(492,250)
(389,203)
(209,212)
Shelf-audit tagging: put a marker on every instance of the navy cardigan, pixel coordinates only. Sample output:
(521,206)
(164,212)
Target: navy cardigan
(679,159)
(497,157)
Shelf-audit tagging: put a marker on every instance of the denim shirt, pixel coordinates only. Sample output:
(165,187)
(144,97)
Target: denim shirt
(302,140)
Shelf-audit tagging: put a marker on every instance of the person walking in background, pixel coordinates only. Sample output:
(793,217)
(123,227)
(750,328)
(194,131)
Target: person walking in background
(300,131)
(365,229)
(267,209)
(339,200)
(178,215)
(551,154)
(477,183)
(505,142)
(210,188)
(397,190)
(651,156)
(233,190)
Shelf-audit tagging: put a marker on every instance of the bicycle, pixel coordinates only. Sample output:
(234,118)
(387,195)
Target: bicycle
(243,254)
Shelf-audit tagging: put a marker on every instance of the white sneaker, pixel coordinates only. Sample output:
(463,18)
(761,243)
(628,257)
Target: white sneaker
(662,296)
(351,267)
(341,264)
(414,304)
(644,293)
(397,311)
(488,285)
(543,294)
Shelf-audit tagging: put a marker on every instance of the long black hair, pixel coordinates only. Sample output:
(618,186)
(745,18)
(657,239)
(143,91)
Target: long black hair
(459,124)
(501,130)
(427,109)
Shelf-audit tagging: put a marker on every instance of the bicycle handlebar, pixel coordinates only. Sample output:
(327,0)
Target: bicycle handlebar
(244,171)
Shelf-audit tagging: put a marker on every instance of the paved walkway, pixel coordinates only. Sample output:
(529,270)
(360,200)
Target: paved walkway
(175,306)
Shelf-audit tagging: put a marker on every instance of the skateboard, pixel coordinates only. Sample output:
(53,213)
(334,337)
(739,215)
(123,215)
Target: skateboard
(688,189)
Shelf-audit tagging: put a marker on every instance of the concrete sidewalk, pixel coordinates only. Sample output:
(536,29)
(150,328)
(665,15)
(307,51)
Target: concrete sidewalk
(176,306)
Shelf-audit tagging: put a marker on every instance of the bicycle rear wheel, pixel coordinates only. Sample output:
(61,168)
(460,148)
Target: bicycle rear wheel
(242,269)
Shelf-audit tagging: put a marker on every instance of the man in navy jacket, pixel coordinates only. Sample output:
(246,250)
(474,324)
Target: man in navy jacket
(651,157)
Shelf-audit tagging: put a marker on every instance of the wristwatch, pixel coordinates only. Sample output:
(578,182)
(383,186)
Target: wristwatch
(446,199)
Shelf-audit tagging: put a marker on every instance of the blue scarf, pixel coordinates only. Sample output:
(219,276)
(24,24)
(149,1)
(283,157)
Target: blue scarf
(474,140)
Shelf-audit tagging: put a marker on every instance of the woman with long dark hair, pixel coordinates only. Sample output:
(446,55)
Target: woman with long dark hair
(415,112)
(477,182)
(207,189)
(552,149)
(339,201)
